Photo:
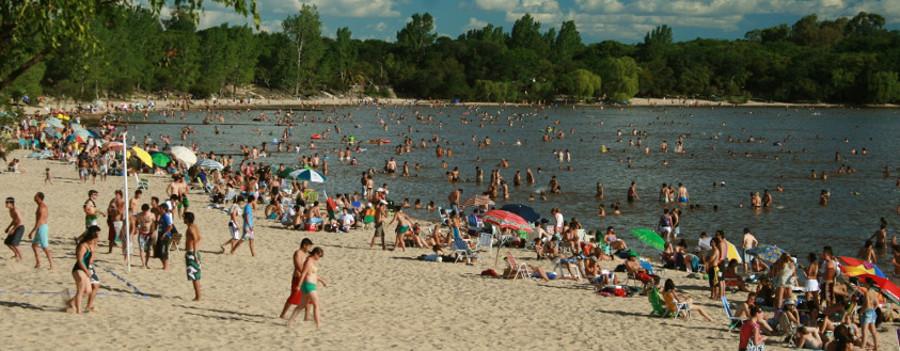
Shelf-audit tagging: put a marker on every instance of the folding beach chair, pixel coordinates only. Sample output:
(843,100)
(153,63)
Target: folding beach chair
(518,269)
(485,242)
(461,247)
(562,270)
(733,322)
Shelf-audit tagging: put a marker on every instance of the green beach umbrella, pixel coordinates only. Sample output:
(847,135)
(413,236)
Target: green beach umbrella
(649,237)
(160,159)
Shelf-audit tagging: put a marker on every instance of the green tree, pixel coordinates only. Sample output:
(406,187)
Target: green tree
(346,54)
(581,83)
(567,43)
(884,87)
(32,31)
(620,77)
(305,32)
(417,35)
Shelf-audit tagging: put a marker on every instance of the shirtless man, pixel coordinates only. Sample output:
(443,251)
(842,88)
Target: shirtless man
(404,225)
(828,276)
(14,230)
(144,228)
(682,194)
(454,198)
(296,297)
(868,316)
(748,243)
(192,239)
(880,239)
(529,177)
(179,188)
(234,217)
(42,239)
(380,216)
(118,221)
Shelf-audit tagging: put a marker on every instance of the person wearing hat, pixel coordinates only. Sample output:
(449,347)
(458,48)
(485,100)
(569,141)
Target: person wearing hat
(15,229)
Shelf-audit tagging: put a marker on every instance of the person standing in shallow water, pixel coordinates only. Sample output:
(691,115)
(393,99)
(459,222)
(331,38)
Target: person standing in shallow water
(632,192)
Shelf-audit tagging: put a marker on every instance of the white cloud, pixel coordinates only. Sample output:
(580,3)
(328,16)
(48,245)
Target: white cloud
(379,27)
(491,5)
(475,23)
(340,8)
(600,5)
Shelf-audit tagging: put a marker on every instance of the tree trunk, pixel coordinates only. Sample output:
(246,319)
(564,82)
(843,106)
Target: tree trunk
(18,72)
(297,81)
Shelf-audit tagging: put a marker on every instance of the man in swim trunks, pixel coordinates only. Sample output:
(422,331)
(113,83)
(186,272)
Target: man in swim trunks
(247,228)
(296,297)
(868,316)
(380,216)
(748,243)
(144,227)
(830,268)
(14,230)
(42,240)
(165,231)
(403,226)
(234,215)
(192,253)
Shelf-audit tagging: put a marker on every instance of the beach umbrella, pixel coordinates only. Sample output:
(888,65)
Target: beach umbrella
(142,155)
(54,122)
(767,253)
(732,253)
(478,200)
(888,288)
(160,159)
(184,155)
(308,175)
(52,132)
(82,134)
(209,164)
(854,267)
(526,212)
(506,220)
(649,237)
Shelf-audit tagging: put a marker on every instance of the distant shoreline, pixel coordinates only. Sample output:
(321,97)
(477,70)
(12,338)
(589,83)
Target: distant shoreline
(318,104)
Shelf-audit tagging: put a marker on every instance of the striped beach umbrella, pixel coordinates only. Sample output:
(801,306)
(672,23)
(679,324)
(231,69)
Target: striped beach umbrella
(507,220)
(209,164)
(309,175)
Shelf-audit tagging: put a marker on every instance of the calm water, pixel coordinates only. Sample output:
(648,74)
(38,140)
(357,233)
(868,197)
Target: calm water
(809,139)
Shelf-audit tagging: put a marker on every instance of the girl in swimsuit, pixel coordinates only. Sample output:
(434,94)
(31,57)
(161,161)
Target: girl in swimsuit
(83,271)
(309,280)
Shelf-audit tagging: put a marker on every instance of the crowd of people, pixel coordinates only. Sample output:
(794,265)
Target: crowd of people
(830,312)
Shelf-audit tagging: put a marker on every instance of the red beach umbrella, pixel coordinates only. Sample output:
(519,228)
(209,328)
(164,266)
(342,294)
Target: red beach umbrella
(506,220)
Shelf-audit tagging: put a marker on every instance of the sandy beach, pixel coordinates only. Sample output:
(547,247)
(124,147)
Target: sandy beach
(375,300)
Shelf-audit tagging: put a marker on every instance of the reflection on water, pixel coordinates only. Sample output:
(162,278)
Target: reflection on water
(786,145)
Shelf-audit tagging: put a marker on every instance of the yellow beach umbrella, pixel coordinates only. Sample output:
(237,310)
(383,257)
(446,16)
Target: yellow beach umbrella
(142,155)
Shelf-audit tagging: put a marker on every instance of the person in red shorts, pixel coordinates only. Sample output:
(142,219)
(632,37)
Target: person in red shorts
(296,297)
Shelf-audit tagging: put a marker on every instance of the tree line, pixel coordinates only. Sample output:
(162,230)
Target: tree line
(131,50)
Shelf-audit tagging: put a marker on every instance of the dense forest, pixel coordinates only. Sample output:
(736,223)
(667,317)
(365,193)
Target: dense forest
(130,50)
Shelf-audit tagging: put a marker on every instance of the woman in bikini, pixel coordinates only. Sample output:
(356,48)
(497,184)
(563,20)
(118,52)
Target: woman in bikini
(310,279)
(86,281)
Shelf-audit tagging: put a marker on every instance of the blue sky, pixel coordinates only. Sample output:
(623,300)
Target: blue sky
(597,20)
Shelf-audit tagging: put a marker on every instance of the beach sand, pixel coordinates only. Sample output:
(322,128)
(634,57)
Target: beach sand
(375,299)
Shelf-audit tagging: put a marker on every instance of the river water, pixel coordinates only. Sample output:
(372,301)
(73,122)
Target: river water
(787,144)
